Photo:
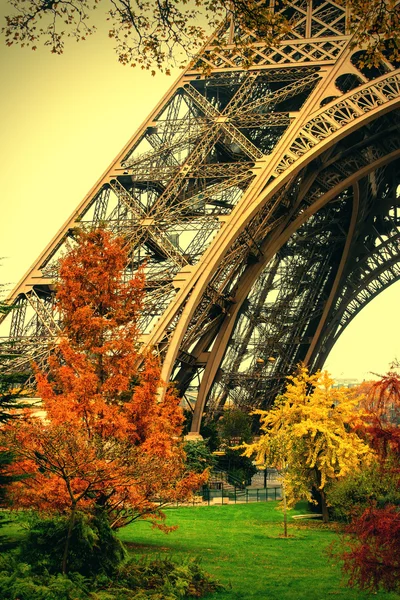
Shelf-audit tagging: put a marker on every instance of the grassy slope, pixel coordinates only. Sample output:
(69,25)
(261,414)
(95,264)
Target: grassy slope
(241,545)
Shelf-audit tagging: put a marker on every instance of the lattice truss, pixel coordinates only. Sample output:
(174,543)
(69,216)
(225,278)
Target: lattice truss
(278,320)
(263,204)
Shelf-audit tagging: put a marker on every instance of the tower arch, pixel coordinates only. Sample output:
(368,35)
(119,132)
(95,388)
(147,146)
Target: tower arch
(263,203)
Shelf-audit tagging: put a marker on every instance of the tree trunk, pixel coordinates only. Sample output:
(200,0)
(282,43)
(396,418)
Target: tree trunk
(68,540)
(324,507)
(321,492)
(284,509)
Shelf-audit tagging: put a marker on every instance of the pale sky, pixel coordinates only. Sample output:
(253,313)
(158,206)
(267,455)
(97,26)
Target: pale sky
(63,119)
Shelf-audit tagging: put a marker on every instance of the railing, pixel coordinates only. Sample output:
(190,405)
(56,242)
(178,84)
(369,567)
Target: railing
(218,476)
(212,497)
(227,495)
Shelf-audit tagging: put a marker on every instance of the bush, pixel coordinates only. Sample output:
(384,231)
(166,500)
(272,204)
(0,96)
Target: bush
(162,578)
(93,548)
(19,581)
(371,554)
(349,497)
(137,579)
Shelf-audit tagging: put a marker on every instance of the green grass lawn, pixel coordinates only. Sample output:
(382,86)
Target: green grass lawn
(242,546)
(11,533)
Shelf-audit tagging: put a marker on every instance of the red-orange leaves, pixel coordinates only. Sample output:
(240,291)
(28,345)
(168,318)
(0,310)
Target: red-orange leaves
(372,557)
(380,418)
(105,440)
(99,308)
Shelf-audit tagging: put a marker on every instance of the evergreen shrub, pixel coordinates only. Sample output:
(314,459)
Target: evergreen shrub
(136,579)
(94,548)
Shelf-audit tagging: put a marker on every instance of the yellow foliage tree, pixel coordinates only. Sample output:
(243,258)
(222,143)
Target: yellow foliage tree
(307,435)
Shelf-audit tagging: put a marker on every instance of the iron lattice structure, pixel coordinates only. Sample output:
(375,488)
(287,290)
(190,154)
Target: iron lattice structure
(264,203)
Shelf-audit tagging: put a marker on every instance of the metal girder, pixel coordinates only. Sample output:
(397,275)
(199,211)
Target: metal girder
(263,205)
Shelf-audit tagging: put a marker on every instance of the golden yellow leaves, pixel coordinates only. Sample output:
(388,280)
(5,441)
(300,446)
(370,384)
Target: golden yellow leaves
(307,434)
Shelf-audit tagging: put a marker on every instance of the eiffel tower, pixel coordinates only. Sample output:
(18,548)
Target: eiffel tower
(264,203)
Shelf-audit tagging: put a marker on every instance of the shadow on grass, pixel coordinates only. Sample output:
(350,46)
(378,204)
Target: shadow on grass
(136,547)
(8,543)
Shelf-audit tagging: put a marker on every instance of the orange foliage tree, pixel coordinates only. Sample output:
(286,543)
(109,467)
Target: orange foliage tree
(381,414)
(106,442)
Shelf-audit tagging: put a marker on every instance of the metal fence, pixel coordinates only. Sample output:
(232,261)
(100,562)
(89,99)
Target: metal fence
(225,493)
(232,494)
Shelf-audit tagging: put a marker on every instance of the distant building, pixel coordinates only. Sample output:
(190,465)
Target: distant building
(346,382)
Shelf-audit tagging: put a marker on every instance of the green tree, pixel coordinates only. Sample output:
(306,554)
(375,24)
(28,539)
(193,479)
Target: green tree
(199,456)
(307,435)
(155,35)
(12,390)
(234,428)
